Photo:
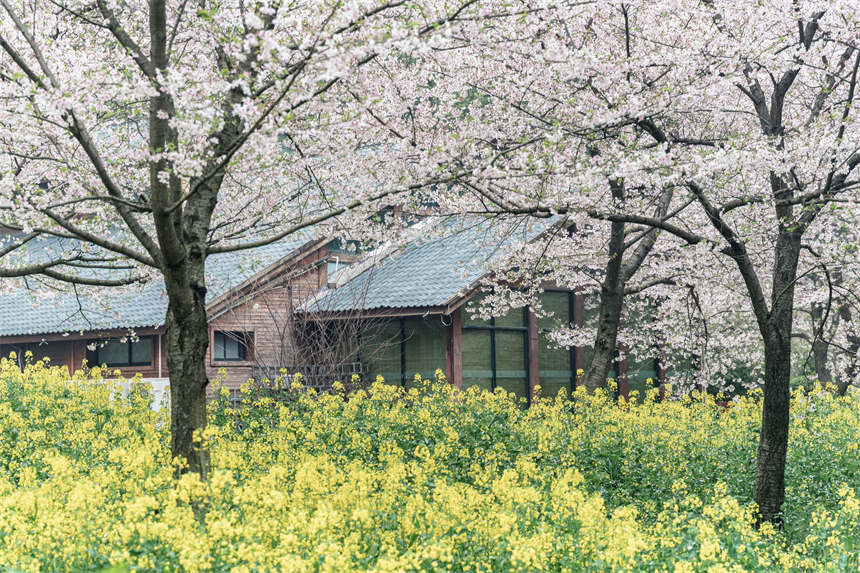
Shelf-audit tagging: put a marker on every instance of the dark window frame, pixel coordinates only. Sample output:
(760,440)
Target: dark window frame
(129,343)
(244,344)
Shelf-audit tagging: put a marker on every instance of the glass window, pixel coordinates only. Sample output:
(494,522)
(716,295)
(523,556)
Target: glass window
(477,362)
(425,347)
(469,320)
(557,303)
(7,349)
(511,361)
(514,317)
(556,370)
(141,351)
(129,353)
(230,346)
(381,352)
(113,353)
(495,356)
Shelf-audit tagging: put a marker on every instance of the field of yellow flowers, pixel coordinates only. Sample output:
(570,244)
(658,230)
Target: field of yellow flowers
(421,480)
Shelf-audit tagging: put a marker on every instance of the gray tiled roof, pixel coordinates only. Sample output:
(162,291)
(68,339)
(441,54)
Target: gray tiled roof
(36,309)
(428,272)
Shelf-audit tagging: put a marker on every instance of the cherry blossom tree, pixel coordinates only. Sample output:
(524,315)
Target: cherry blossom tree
(151,134)
(747,110)
(826,305)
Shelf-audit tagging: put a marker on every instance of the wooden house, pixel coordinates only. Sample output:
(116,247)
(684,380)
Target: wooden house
(396,312)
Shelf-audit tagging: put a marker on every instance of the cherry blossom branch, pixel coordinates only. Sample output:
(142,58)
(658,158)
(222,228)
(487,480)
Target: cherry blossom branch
(836,181)
(98,240)
(90,281)
(126,41)
(738,251)
(352,205)
(20,242)
(294,73)
(142,207)
(632,264)
(670,281)
(49,269)
(75,127)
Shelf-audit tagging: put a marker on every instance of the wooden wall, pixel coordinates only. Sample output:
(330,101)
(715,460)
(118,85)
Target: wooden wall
(263,310)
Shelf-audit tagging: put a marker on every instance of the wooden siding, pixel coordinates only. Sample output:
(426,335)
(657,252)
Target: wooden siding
(264,311)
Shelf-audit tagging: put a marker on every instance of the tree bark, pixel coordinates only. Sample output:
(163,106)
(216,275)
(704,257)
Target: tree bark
(852,371)
(188,329)
(606,340)
(182,237)
(187,339)
(819,356)
(773,441)
(613,290)
(849,376)
(611,301)
(182,228)
(820,347)
(775,326)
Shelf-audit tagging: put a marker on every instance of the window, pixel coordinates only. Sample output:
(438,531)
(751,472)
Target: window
(495,352)
(402,348)
(129,352)
(7,349)
(230,346)
(557,364)
(423,348)
(381,352)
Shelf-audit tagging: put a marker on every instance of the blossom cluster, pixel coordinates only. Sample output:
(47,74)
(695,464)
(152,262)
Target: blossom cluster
(424,479)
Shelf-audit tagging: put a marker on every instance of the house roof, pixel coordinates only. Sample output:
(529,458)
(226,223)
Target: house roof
(429,271)
(39,309)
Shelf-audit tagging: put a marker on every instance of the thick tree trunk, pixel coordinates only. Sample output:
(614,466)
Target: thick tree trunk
(182,234)
(187,339)
(773,441)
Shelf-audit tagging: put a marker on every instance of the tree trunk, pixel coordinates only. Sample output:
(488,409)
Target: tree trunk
(773,441)
(187,339)
(849,376)
(606,340)
(614,287)
(820,347)
(182,234)
(819,355)
(852,372)
(609,316)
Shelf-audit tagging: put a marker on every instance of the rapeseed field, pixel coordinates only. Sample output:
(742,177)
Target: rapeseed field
(424,479)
